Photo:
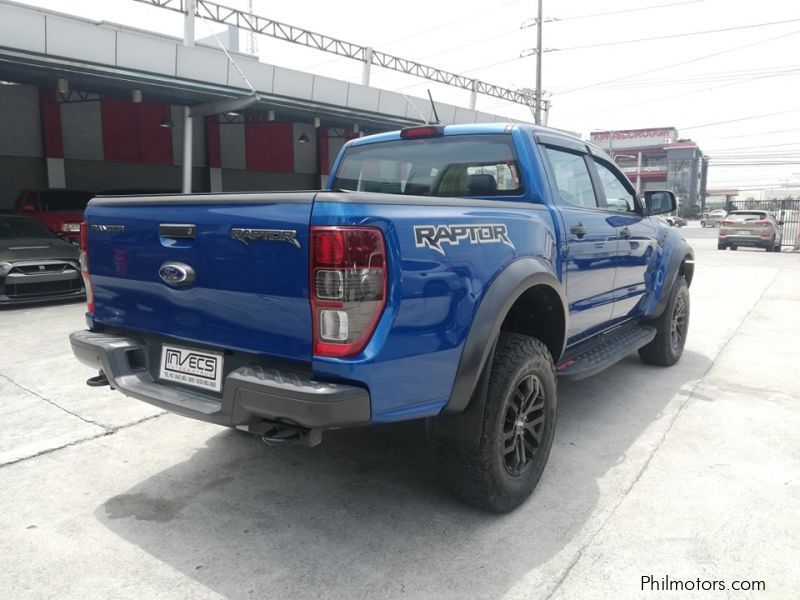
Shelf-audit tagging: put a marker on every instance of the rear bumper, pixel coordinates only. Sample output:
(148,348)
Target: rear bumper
(745,240)
(250,393)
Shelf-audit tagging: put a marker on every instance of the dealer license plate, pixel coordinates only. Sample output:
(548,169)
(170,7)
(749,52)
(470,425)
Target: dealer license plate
(198,368)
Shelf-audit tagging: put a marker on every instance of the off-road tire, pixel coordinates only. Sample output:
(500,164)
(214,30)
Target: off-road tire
(484,478)
(665,350)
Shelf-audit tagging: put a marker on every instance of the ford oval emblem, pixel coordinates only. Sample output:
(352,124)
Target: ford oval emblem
(176,274)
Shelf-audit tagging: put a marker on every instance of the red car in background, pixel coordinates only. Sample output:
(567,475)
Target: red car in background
(60,210)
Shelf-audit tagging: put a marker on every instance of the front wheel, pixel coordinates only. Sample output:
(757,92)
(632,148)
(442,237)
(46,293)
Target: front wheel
(519,422)
(672,328)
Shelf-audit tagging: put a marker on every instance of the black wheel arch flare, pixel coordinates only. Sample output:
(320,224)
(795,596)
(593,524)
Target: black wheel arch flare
(516,279)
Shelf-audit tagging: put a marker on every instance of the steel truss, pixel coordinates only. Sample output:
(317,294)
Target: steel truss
(218,13)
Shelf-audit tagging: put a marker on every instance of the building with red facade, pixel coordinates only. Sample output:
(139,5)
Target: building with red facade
(657,158)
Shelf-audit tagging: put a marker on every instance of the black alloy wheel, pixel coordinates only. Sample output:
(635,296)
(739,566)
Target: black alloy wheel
(523,425)
(679,324)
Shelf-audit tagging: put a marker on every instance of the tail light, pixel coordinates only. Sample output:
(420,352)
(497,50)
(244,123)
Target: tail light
(767,225)
(727,222)
(84,254)
(348,287)
(423,131)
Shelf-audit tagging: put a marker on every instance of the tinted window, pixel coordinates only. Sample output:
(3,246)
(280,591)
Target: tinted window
(17,229)
(616,194)
(464,165)
(751,215)
(64,200)
(572,178)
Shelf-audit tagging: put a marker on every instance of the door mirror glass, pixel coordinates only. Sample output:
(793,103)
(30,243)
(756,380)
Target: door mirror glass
(660,202)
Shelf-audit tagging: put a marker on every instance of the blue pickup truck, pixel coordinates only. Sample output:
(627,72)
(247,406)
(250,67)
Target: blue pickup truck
(447,273)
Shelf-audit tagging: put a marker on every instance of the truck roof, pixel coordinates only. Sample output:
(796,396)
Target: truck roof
(487,128)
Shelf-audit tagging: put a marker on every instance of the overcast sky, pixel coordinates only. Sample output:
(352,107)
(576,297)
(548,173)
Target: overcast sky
(755,71)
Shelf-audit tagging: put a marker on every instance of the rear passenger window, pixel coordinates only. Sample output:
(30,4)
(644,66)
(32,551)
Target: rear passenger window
(572,178)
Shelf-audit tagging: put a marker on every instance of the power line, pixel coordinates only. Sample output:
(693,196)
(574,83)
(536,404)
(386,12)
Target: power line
(698,78)
(212,11)
(756,146)
(430,30)
(677,64)
(675,35)
(691,92)
(737,120)
(555,20)
(759,134)
(626,10)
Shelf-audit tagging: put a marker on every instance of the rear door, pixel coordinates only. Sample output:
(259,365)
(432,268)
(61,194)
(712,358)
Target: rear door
(248,255)
(637,249)
(591,242)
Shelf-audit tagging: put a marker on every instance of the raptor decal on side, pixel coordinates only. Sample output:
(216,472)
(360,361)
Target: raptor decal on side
(433,236)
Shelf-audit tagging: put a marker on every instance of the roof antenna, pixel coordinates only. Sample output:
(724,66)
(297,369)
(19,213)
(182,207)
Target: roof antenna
(433,106)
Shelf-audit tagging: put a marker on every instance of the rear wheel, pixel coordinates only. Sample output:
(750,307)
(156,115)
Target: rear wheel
(671,329)
(519,422)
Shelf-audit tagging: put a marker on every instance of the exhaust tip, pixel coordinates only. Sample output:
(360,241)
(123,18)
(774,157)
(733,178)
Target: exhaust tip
(282,434)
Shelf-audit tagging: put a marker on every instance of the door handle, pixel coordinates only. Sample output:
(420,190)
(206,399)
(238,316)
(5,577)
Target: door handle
(578,230)
(181,231)
(625,232)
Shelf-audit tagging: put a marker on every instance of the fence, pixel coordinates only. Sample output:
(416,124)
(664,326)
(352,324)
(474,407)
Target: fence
(787,211)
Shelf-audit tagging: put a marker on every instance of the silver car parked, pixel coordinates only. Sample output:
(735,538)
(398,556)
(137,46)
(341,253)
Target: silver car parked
(754,228)
(714,218)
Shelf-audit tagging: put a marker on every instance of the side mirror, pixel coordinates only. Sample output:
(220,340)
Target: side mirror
(660,202)
(29,207)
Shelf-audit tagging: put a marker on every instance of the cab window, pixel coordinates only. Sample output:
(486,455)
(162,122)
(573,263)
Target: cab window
(456,165)
(616,194)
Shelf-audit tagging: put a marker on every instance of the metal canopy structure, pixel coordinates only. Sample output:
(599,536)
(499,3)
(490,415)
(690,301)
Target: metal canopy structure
(218,13)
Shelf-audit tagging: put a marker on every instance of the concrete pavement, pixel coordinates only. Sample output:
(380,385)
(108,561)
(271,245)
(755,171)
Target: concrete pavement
(688,472)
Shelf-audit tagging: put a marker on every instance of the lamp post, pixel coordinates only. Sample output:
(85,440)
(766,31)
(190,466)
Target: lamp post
(638,157)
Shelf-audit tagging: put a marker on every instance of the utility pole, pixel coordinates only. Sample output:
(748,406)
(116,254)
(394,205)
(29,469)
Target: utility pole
(186,167)
(537,117)
(703,182)
(639,173)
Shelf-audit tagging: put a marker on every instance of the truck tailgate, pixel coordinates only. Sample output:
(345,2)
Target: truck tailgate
(249,254)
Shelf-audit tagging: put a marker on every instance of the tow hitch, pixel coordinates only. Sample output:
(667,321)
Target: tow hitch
(98,380)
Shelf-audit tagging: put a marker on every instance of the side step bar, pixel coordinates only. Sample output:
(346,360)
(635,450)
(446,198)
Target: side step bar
(595,355)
